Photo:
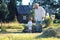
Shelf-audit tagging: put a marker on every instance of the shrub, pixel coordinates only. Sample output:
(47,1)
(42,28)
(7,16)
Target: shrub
(47,21)
(57,21)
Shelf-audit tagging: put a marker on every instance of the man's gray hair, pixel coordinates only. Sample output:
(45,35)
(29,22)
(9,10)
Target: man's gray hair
(36,4)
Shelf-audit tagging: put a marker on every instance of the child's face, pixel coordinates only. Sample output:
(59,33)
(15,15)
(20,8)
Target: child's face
(30,19)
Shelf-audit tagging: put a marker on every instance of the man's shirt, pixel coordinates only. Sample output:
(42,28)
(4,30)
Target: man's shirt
(39,13)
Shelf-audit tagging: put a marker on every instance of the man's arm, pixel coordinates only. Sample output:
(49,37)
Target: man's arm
(43,14)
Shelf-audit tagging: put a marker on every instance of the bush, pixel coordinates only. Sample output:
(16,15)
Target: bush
(57,21)
(47,21)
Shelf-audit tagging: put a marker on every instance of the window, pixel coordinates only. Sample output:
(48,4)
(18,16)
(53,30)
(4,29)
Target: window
(24,17)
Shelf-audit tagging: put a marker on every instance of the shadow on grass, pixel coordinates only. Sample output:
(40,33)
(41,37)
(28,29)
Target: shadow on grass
(50,33)
(47,34)
(41,36)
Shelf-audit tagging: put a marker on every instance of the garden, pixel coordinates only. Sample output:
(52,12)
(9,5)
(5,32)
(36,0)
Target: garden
(14,31)
(11,29)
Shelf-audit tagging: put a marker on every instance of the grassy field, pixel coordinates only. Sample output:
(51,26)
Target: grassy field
(21,26)
(26,36)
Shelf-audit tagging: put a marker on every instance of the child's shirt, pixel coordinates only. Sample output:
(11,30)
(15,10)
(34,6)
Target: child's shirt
(30,25)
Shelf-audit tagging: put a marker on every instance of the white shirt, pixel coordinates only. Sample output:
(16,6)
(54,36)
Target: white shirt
(30,25)
(39,13)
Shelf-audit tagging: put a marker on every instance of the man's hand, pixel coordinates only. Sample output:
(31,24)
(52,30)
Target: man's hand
(43,18)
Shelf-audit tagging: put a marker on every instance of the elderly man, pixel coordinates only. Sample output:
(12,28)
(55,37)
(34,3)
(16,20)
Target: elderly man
(39,16)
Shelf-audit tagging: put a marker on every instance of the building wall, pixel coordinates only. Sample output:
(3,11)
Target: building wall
(23,18)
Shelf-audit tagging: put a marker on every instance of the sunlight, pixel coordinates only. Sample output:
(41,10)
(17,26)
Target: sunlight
(25,2)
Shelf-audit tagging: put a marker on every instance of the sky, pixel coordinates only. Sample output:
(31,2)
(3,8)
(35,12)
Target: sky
(25,2)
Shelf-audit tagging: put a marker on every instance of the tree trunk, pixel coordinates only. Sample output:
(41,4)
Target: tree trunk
(1,25)
(3,29)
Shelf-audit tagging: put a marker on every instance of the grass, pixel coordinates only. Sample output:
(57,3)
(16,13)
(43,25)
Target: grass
(21,26)
(13,25)
(26,36)
(57,25)
(17,26)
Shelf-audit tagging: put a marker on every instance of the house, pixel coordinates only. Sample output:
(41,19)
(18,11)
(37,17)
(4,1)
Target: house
(23,13)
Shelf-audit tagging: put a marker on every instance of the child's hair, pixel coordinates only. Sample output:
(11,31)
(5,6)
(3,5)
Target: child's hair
(30,18)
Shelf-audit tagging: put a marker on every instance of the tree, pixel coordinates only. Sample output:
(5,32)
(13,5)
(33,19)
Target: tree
(20,1)
(12,10)
(4,13)
(51,6)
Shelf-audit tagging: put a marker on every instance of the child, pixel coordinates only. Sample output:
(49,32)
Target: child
(30,25)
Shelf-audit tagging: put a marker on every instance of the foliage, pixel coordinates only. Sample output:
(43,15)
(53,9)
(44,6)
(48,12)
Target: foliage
(4,11)
(12,11)
(48,21)
(57,21)
(3,14)
(8,11)
(51,6)
(32,14)
(19,0)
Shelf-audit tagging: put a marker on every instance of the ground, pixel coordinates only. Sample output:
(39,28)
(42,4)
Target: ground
(25,36)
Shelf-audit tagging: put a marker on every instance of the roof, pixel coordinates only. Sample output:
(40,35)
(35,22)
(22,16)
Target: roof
(24,9)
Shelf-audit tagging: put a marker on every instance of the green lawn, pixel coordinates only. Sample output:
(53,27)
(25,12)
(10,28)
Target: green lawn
(26,36)
(16,27)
